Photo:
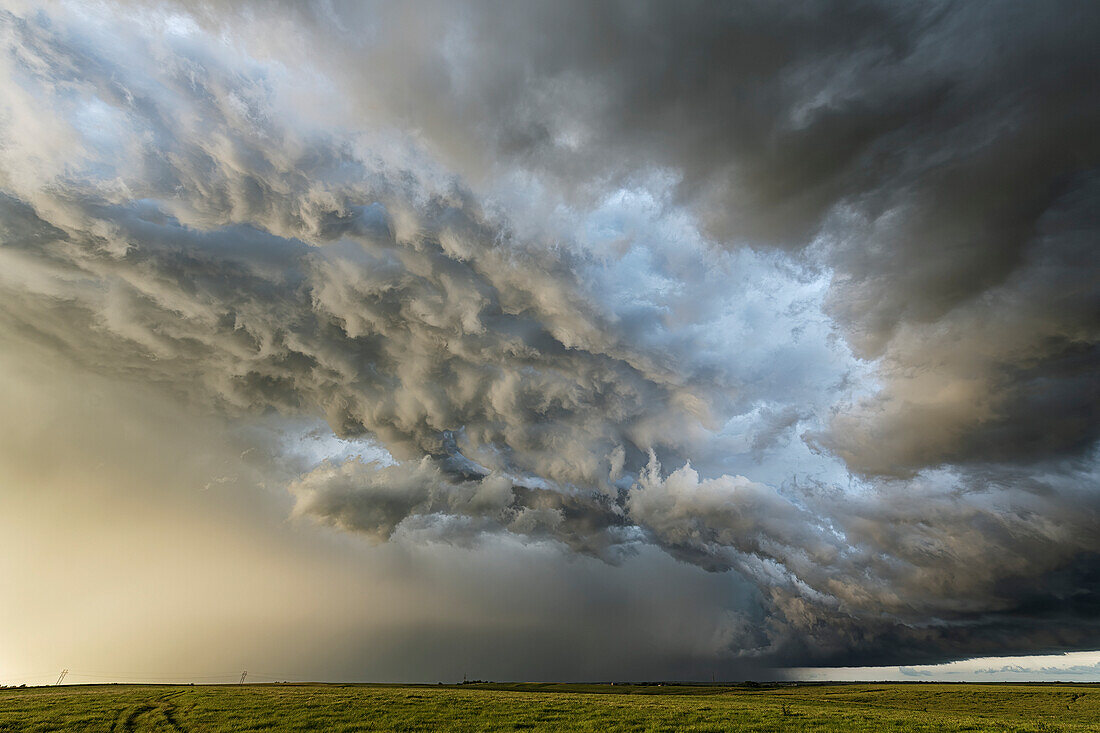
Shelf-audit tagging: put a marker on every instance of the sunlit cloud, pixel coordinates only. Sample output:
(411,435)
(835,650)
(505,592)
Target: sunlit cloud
(801,323)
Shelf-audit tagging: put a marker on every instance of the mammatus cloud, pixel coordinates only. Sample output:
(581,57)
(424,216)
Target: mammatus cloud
(583,273)
(939,160)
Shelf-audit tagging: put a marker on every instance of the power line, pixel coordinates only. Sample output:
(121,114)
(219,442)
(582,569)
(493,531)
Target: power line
(180,677)
(299,678)
(165,678)
(25,677)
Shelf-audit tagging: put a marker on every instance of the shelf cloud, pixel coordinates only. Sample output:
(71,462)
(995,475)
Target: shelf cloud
(805,296)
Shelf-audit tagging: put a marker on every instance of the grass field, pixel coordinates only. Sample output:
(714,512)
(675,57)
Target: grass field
(850,707)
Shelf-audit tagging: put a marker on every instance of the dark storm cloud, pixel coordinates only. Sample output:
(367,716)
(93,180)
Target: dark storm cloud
(174,212)
(420,316)
(376,500)
(940,158)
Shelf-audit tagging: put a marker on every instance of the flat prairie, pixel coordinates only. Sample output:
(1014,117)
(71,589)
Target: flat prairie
(552,707)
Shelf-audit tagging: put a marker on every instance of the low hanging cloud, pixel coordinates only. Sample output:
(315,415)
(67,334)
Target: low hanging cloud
(583,280)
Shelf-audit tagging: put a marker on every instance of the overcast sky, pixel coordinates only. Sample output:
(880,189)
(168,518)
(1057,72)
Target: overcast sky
(623,340)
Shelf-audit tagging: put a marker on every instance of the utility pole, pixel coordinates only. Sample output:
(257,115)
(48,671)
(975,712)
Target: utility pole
(61,677)
(243,675)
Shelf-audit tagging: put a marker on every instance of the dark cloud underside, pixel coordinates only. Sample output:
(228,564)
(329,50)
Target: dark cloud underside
(536,252)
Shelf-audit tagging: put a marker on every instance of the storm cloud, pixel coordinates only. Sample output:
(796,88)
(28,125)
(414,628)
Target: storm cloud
(806,296)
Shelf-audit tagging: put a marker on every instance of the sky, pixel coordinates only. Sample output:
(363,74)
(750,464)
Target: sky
(549,341)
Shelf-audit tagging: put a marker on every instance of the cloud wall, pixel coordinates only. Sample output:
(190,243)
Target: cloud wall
(804,296)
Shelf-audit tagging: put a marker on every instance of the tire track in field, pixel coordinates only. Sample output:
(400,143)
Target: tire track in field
(158,714)
(168,709)
(129,717)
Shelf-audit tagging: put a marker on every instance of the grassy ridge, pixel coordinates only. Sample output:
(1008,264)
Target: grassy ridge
(871,707)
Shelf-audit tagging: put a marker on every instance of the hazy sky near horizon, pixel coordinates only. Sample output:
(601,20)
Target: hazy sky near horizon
(549,340)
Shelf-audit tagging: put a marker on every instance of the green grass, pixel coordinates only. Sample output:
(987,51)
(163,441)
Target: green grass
(861,707)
